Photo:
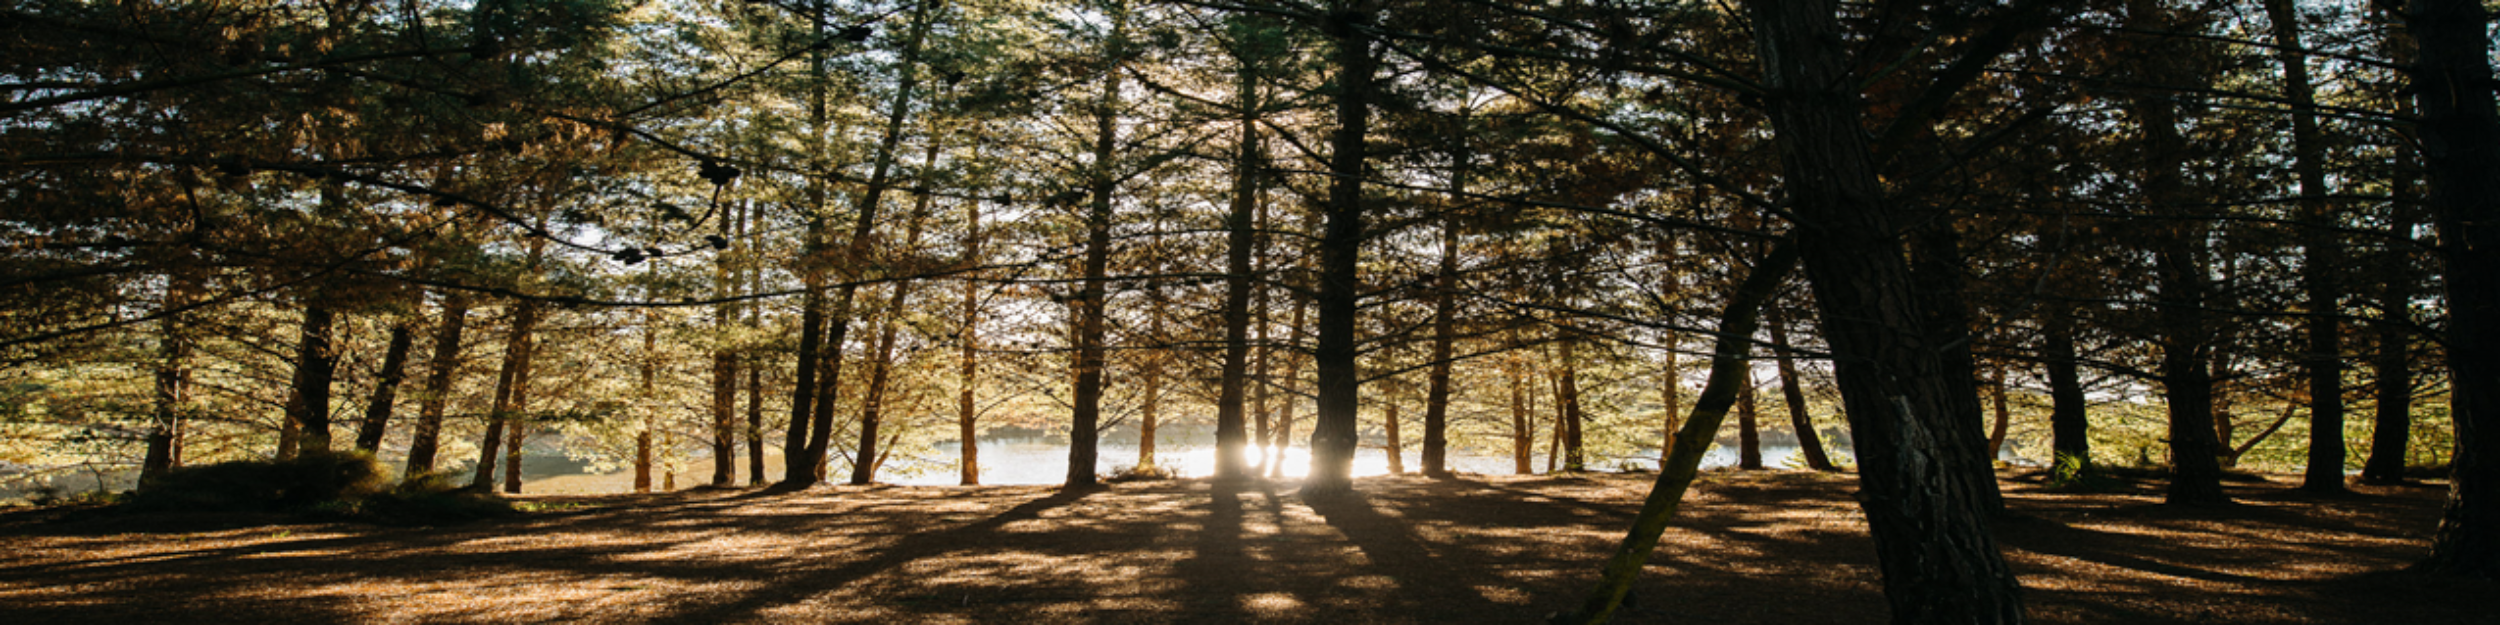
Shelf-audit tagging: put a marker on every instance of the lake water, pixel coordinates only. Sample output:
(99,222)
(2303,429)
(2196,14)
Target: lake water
(1035,462)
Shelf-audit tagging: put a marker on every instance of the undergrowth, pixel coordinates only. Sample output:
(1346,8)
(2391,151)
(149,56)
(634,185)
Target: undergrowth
(343,485)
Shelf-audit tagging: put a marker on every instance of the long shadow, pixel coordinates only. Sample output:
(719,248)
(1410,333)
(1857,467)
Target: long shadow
(912,547)
(1218,559)
(1422,577)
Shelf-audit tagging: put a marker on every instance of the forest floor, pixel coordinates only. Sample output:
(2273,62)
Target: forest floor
(1754,547)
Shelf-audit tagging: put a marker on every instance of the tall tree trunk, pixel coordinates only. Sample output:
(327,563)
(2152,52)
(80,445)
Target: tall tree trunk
(516,357)
(872,407)
(2460,139)
(797,471)
(724,369)
(2181,275)
(1936,273)
(1085,421)
(649,401)
(1939,560)
(2391,424)
(1241,241)
(808,468)
(316,366)
(386,387)
(1341,245)
(967,374)
(2321,257)
(1792,391)
(1444,327)
(1151,406)
(426,439)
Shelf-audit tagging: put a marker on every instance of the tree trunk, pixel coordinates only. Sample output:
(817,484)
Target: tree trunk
(1150,406)
(1792,391)
(1241,239)
(386,387)
(316,366)
(1731,360)
(2181,276)
(1444,329)
(1996,431)
(1522,437)
(2321,257)
(1341,244)
(425,440)
(649,400)
(1393,448)
(2391,425)
(1671,404)
(2460,139)
(1939,560)
(1575,454)
(2069,426)
(516,357)
(1085,421)
(1748,424)
(173,383)
(967,376)
(1293,378)
(872,408)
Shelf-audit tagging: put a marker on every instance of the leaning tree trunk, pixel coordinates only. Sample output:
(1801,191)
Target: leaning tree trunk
(1731,360)
(881,365)
(1939,560)
(1341,243)
(516,356)
(2460,138)
(425,440)
(386,387)
(1809,442)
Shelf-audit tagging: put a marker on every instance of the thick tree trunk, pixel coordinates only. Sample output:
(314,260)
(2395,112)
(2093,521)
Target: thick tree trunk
(1341,244)
(1939,560)
(316,366)
(425,441)
(386,387)
(2181,274)
(1792,391)
(2460,138)
(1936,273)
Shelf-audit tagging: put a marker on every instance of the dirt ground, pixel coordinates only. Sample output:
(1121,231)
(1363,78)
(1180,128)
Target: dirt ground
(1761,547)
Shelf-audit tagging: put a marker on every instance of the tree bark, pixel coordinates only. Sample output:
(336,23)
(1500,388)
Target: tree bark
(425,440)
(1444,328)
(2460,139)
(2391,423)
(1085,421)
(1341,244)
(2181,273)
(173,383)
(2321,258)
(1575,454)
(386,387)
(1731,360)
(1792,391)
(316,366)
(2069,427)
(967,374)
(881,365)
(1241,240)
(1939,560)
(516,358)
(1749,424)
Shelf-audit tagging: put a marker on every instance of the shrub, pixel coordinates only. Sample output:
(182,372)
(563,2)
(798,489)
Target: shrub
(349,485)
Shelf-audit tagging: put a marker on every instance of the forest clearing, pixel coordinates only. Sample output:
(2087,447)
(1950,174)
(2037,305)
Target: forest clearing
(1768,547)
(731,271)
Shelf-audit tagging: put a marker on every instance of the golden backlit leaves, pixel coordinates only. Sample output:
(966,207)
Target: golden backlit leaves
(1759,547)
